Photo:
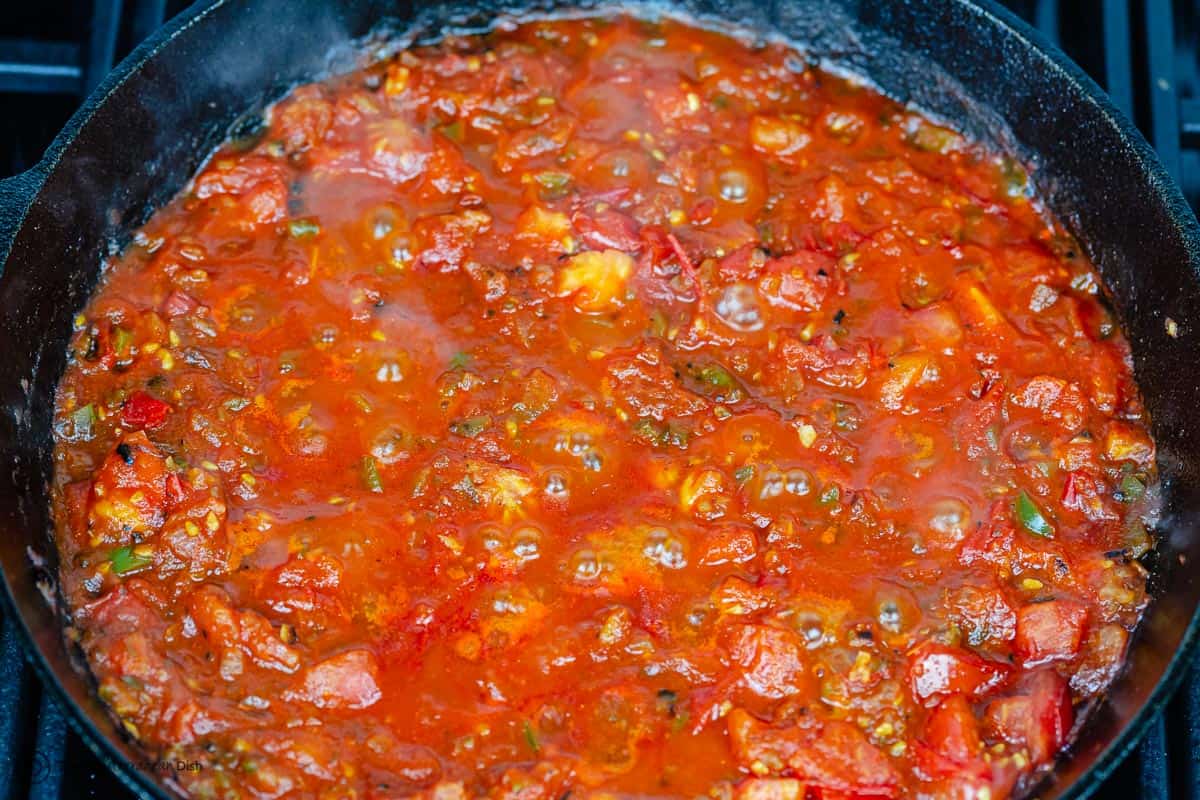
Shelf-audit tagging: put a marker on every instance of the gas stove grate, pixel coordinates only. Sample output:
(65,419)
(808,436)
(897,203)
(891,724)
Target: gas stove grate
(1146,53)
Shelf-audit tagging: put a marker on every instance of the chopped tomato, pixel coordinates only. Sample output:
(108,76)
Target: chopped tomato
(142,410)
(771,660)
(936,671)
(1039,719)
(833,755)
(951,741)
(348,681)
(1049,631)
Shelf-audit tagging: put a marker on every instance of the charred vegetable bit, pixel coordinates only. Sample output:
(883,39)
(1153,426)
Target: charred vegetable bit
(594,408)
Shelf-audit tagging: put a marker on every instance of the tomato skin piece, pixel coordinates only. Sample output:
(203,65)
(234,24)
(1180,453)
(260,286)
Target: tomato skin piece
(142,410)
(1039,720)
(936,671)
(608,230)
(178,303)
(1049,631)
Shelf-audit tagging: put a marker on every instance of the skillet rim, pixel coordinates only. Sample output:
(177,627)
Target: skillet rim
(18,193)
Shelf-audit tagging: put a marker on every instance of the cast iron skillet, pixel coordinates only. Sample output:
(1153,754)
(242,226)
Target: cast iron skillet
(140,136)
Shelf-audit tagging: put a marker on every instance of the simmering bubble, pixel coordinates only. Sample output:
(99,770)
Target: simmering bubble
(739,308)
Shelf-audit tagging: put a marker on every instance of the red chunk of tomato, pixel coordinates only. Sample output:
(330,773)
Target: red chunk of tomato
(127,608)
(129,492)
(237,633)
(178,303)
(951,742)
(951,755)
(1049,631)
(1058,401)
(142,410)
(936,671)
(731,545)
(257,182)
(825,361)
(801,281)
(832,756)
(607,230)
(771,661)
(349,681)
(305,591)
(1038,720)
(744,263)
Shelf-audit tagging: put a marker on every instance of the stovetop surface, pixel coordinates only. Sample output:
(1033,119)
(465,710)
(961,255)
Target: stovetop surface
(1145,53)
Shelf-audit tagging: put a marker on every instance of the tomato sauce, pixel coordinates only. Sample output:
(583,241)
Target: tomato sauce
(602,407)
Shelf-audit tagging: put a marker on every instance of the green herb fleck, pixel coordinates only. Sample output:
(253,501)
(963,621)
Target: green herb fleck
(303,228)
(672,434)
(122,338)
(470,427)
(1131,489)
(531,738)
(552,185)
(1137,539)
(716,375)
(82,420)
(1016,180)
(370,471)
(1031,517)
(934,139)
(125,560)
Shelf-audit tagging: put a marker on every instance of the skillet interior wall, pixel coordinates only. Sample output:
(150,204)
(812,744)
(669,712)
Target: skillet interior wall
(125,155)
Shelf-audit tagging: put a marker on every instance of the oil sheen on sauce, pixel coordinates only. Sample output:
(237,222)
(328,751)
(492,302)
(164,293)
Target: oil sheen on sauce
(601,408)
